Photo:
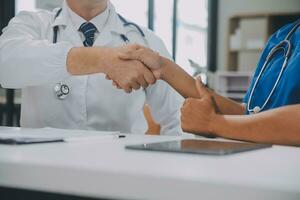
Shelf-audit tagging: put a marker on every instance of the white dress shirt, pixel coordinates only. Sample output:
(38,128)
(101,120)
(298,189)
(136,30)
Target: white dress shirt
(99,21)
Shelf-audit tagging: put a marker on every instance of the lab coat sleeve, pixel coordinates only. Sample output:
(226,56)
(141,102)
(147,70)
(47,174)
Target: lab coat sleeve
(164,102)
(28,59)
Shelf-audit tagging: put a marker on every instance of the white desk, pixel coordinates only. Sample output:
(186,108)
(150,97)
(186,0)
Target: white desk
(104,169)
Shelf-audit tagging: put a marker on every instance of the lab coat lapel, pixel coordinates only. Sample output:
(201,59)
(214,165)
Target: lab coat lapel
(67,32)
(104,38)
(71,34)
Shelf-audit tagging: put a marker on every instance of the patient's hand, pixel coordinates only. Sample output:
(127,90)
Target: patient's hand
(152,60)
(147,56)
(197,115)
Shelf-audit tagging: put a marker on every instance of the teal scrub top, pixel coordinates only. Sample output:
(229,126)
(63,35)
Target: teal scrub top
(287,91)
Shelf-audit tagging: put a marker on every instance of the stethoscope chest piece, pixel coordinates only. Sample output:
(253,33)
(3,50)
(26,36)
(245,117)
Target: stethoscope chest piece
(61,91)
(256,110)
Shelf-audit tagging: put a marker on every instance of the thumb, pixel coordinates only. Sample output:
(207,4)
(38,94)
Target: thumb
(157,74)
(130,55)
(125,56)
(202,90)
(205,94)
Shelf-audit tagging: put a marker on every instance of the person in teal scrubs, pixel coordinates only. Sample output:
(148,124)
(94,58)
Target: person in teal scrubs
(287,91)
(271,109)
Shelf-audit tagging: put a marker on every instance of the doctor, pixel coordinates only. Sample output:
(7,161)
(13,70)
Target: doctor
(59,59)
(271,111)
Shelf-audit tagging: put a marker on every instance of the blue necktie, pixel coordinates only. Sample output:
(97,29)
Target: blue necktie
(88,29)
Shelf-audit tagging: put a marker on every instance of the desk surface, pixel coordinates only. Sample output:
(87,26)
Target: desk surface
(106,169)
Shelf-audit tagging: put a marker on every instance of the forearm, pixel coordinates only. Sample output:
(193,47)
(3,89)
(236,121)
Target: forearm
(278,126)
(184,84)
(181,81)
(227,106)
(84,61)
(26,63)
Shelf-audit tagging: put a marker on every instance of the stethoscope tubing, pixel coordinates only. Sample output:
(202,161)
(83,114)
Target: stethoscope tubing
(274,50)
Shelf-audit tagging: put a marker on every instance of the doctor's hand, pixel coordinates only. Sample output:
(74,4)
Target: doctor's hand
(127,74)
(197,115)
(147,56)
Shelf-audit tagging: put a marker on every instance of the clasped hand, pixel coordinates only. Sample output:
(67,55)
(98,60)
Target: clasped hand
(139,67)
(197,115)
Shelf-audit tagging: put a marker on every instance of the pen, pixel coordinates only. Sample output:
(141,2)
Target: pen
(92,138)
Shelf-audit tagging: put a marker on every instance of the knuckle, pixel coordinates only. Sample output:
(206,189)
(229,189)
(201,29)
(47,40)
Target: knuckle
(187,101)
(126,85)
(136,46)
(153,81)
(138,87)
(132,77)
(132,83)
(136,76)
(190,101)
(128,90)
(143,51)
(141,76)
(133,46)
(136,63)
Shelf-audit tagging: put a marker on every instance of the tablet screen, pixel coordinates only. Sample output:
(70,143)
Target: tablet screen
(200,147)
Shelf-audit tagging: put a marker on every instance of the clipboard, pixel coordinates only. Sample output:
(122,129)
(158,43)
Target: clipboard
(28,140)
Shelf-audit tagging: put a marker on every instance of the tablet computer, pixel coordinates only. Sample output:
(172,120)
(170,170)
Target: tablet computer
(194,146)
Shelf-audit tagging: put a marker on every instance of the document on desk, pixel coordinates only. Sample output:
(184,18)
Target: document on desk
(16,135)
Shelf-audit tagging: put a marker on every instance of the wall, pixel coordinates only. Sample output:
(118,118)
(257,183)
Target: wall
(227,8)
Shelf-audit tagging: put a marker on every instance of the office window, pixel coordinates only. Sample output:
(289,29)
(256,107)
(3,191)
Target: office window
(163,16)
(192,34)
(128,9)
(191,26)
(191,31)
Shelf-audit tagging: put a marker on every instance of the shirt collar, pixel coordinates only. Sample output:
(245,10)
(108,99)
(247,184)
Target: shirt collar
(113,21)
(99,21)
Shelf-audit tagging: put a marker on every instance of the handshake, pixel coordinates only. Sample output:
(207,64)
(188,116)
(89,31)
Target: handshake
(133,66)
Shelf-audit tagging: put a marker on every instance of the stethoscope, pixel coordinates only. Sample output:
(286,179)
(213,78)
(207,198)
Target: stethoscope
(62,90)
(286,47)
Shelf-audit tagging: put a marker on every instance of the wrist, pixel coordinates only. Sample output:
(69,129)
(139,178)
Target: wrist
(165,64)
(103,59)
(70,60)
(216,124)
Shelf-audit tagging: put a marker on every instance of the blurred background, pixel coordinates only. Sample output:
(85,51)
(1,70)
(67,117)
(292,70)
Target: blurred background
(219,39)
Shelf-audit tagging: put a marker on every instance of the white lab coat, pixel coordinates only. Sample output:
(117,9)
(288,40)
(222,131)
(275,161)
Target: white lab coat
(29,60)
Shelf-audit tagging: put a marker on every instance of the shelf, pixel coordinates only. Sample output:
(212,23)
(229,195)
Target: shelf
(234,95)
(234,89)
(248,33)
(245,50)
(237,74)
